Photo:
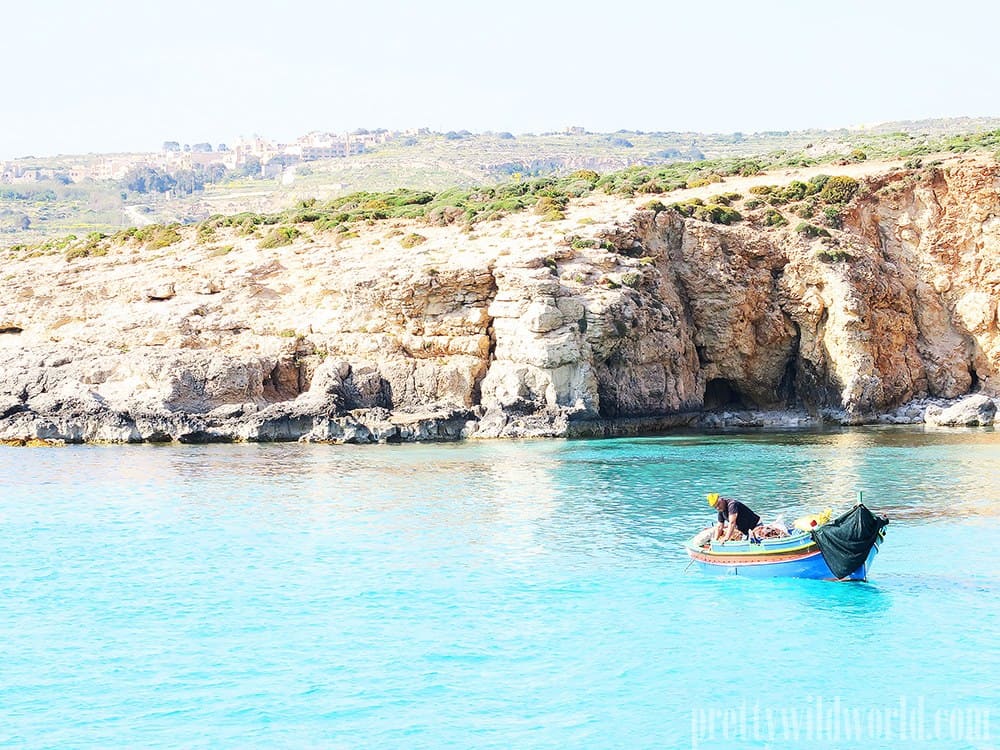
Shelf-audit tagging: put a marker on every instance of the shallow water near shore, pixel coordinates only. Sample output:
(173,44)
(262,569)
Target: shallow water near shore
(502,594)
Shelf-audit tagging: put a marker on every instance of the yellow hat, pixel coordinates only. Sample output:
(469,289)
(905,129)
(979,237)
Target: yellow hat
(713,498)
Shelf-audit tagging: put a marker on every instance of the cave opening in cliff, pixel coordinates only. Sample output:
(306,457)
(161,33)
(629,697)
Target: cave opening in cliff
(721,393)
(786,388)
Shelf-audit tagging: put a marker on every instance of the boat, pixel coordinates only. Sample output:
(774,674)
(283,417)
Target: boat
(842,549)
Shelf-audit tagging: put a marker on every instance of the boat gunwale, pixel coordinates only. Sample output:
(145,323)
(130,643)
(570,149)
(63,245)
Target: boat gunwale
(736,559)
(762,549)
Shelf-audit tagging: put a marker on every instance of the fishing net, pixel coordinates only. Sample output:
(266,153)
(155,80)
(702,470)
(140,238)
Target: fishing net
(846,541)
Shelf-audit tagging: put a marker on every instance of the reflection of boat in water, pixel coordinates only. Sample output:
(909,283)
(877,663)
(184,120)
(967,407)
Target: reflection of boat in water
(840,550)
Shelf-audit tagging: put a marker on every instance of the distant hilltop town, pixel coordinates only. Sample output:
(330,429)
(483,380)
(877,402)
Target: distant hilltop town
(252,156)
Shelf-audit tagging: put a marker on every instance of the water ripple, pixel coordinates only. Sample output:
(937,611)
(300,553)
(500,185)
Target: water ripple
(528,594)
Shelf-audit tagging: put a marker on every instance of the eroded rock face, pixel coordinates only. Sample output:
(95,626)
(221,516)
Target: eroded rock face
(519,331)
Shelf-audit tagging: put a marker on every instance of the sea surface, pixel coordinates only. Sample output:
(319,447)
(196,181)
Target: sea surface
(492,595)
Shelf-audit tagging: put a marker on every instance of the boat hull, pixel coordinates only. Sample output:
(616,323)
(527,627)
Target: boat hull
(804,563)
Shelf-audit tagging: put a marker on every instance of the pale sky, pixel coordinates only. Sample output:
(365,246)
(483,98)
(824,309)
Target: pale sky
(116,76)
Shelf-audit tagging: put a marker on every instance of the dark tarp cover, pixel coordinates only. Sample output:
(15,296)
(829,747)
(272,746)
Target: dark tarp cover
(846,541)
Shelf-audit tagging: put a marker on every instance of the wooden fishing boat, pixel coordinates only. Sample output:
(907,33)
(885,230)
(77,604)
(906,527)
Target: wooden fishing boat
(841,550)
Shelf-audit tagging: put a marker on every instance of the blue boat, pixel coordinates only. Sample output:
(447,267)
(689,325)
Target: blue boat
(841,550)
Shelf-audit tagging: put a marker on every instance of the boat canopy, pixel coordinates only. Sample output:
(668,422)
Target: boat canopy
(846,541)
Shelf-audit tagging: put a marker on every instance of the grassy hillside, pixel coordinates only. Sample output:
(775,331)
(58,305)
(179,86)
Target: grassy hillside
(32,213)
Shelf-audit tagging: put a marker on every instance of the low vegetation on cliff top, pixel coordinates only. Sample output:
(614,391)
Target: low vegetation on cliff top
(36,211)
(548,197)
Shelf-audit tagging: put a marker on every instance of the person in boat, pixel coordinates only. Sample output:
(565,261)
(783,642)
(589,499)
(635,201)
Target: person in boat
(734,517)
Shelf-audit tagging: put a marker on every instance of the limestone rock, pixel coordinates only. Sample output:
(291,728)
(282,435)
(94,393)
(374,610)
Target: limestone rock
(972,411)
(208,286)
(518,330)
(160,292)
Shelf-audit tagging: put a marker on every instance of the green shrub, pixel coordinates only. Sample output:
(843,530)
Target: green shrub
(795,190)
(839,189)
(748,167)
(832,217)
(687,208)
(123,235)
(92,245)
(652,186)
(56,245)
(546,203)
(753,203)
(773,218)
(654,206)
(914,163)
(412,240)
(717,214)
(834,256)
(816,183)
(279,237)
(550,207)
(804,210)
(809,230)
(963,143)
(703,180)
(326,224)
(587,175)
(775,195)
(725,199)
(157,236)
(631,279)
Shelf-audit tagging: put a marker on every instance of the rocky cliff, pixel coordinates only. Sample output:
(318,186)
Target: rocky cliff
(618,317)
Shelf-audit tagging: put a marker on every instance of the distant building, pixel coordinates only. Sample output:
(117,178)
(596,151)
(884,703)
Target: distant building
(113,167)
(9,171)
(14,173)
(315,146)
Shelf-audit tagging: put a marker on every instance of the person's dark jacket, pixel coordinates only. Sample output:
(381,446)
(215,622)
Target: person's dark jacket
(746,519)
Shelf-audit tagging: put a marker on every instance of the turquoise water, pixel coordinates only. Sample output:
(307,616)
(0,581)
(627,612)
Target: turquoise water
(501,595)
